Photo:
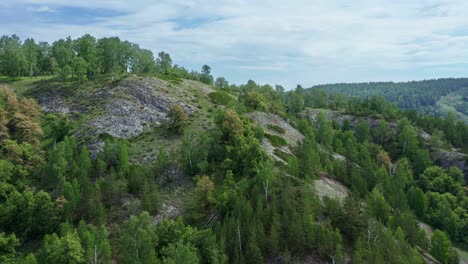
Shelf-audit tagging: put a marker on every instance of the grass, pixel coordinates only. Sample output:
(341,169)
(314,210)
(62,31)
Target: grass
(276,141)
(276,128)
(283,155)
(462,254)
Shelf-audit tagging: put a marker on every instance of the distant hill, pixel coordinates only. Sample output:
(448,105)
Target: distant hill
(437,97)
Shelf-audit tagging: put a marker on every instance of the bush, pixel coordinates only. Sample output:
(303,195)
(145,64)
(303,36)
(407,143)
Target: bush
(283,155)
(221,98)
(276,128)
(276,140)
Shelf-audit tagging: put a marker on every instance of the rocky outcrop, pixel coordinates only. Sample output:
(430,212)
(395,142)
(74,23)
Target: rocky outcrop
(447,159)
(269,122)
(134,105)
(122,110)
(372,121)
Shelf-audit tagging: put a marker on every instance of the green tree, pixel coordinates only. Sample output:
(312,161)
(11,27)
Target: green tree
(62,250)
(206,76)
(95,243)
(362,131)
(12,57)
(8,245)
(30,50)
(417,200)
(324,130)
(440,246)
(177,118)
(137,241)
(86,48)
(181,253)
(164,63)
(378,207)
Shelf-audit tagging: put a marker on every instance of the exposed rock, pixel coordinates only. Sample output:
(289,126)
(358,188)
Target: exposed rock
(54,104)
(291,135)
(372,121)
(447,159)
(329,187)
(122,110)
(134,105)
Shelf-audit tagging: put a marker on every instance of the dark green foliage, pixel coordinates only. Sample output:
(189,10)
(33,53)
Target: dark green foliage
(421,95)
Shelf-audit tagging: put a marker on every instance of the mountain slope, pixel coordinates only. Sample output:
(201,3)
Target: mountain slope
(437,97)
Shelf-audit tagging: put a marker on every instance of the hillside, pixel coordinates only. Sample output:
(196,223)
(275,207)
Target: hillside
(436,97)
(108,155)
(114,159)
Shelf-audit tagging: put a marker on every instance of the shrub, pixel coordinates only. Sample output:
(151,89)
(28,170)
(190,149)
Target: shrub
(221,98)
(276,140)
(276,128)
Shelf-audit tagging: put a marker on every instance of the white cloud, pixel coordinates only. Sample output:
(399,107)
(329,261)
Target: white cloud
(297,38)
(40,9)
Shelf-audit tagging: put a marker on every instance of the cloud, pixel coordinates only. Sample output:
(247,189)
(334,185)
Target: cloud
(41,9)
(286,42)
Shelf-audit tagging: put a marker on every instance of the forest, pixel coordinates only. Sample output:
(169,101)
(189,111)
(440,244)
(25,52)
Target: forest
(422,96)
(58,204)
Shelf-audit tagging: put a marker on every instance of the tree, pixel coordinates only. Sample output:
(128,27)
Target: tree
(254,100)
(31,51)
(86,48)
(417,201)
(221,83)
(137,241)
(362,131)
(164,63)
(378,207)
(8,245)
(59,250)
(206,75)
(440,246)
(79,69)
(324,130)
(95,242)
(12,60)
(177,118)
(181,253)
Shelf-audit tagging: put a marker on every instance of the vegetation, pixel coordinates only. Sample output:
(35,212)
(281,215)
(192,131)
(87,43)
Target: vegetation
(59,205)
(429,96)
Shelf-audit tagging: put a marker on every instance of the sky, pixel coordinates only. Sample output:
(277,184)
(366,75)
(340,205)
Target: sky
(289,42)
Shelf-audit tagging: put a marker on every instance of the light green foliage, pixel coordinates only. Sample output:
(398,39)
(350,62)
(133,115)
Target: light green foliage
(378,207)
(440,246)
(64,249)
(8,245)
(95,243)
(138,240)
(324,132)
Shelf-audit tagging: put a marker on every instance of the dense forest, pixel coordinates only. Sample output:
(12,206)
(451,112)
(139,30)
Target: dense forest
(419,95)
(59,205)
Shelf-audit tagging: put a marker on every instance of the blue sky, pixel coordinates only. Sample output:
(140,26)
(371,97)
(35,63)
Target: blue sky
(278,42)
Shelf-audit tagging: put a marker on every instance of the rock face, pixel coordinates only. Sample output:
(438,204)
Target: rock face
(269,122)
(373,122)
(122,110)
(447,159)
(134,105)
